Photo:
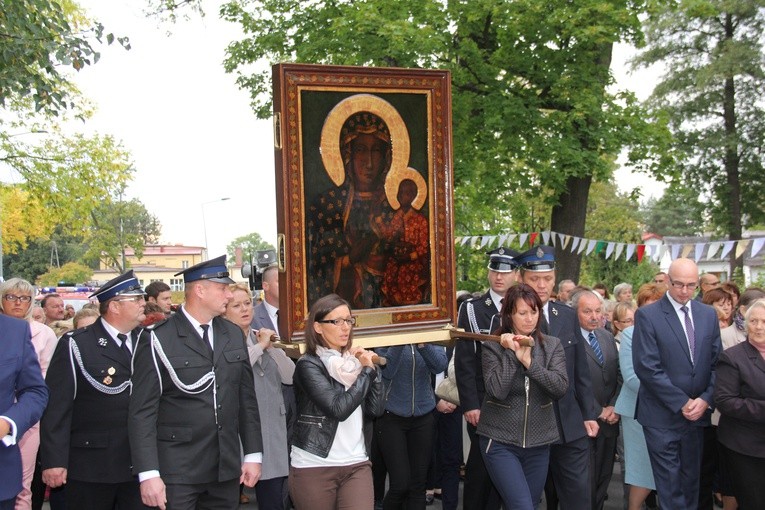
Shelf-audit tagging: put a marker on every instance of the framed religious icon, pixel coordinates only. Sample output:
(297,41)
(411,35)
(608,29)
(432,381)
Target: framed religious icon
(364,195)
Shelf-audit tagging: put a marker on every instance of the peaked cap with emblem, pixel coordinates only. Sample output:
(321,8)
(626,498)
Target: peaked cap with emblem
(538,258)
(125,285)
(502,260)
(213,270)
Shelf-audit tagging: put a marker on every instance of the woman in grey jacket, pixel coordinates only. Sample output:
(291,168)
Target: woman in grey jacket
(517,422)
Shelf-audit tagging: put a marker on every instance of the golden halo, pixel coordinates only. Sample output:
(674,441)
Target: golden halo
(393,181)
(333,124)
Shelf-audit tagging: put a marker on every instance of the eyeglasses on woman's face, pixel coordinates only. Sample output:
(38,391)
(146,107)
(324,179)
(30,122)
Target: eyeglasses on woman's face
(339,322)
(13,297)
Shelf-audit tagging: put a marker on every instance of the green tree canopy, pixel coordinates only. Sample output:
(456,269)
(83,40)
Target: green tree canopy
(532,112)
(73,272)
(712,96)
(678,212)
(249,244)
(38,40)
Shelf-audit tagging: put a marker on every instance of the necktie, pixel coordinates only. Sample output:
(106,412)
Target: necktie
(125,348)
(545,325)
(689,330)
(595,346)
(206,337)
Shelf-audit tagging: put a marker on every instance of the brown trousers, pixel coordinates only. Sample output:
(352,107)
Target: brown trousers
(330,488)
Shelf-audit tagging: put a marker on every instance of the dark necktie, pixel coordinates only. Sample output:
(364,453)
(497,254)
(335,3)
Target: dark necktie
(689,330)
(125,348)
(206,337)
(545,325)
(595,346)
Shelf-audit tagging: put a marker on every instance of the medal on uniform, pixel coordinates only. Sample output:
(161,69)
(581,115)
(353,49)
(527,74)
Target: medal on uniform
(102,342)
(111,371)
(108,380)
(488,301)
(555,312)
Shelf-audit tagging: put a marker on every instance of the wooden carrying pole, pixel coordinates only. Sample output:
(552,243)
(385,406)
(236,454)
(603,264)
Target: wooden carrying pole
(377,360)
(457,333)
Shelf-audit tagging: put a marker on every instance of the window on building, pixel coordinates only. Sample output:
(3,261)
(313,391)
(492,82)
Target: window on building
(155,280)
(185,264)
(176,284)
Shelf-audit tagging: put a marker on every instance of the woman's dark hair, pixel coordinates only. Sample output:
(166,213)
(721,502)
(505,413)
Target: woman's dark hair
(525,293)
(710,297)
(602,286)
(320,309)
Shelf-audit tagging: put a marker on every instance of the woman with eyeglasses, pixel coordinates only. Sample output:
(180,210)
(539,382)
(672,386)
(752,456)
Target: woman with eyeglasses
(623,317)
(338,390)
(16,297)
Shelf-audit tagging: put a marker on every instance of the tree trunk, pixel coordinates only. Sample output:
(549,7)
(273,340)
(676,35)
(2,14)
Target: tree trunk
(731,159)
(568,217)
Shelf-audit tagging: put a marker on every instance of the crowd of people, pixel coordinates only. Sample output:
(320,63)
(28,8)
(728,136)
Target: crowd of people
(183,410)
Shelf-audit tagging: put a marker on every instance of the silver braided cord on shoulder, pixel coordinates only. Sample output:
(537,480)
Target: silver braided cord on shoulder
(74,353)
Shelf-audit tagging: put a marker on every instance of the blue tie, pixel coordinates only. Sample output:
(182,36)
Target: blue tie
(595,347)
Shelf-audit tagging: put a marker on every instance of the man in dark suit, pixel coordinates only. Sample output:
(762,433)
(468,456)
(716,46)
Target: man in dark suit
(23,396)
(603,362)
(194,400)
(674,350)
(478,316)
(568,481)
(83,433)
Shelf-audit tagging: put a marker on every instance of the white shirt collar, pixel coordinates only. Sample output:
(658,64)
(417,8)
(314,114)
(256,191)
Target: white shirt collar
(196,325)
(497,298)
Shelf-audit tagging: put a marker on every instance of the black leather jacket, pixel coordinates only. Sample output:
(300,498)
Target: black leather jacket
(323,402)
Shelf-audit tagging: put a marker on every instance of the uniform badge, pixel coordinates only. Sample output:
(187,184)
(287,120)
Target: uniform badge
(555,312)
(488,301)
(501,251)
(108,380)
(540,253)
(111,371)
(102,342)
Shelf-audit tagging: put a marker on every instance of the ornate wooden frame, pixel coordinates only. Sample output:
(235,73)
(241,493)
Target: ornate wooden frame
(302,93)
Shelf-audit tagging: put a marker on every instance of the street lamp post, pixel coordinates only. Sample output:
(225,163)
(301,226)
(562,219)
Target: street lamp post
(204,221)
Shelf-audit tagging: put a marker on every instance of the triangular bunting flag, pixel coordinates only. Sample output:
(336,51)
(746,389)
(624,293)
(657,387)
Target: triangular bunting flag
(757,245)
(741,248)
(630,251)
(575,243)
(562,240)
(599,246)
(511,238)
(619,250)
(533,238)
(727,247)
(686,250)
(610,250)
(545,237)
(591,245)
(640,252)
(502,239)
(582,244)
(713,247)
(487,240)
(522,239)
(698,251)
(675,251)
(465,240)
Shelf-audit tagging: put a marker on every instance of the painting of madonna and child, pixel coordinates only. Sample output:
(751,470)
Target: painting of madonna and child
(367,215)
(364,195)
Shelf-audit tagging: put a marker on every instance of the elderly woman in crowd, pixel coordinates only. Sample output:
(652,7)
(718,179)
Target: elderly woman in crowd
(623,293)
(16,297)
(722,303)
(735,333)
(740,397)
(338,391)
(518,422)
(85,317)
(637,472)
(270,367)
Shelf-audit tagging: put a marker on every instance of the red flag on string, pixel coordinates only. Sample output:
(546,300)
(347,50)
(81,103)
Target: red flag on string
(533,238)
(640,252)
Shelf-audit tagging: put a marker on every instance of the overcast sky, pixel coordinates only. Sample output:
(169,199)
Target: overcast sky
(190,130)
